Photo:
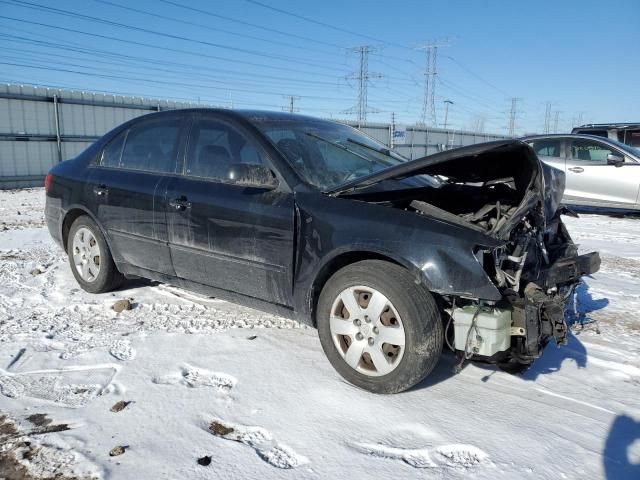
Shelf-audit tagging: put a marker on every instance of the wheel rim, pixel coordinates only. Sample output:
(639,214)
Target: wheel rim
(86,254)
(367,331)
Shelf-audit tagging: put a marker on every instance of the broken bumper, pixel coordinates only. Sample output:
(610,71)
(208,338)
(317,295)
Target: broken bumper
(569,270)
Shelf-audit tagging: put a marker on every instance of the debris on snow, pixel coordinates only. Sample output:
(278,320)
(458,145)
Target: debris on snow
(119,406)
(118,450)
(121,305)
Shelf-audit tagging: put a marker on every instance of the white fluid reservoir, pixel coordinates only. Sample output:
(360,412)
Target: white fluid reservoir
(492,333)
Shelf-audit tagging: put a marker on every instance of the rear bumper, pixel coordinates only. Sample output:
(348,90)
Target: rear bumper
(568,270)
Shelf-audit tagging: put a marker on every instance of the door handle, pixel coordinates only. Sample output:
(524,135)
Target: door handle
(101,190)
(577,169)
(180,203)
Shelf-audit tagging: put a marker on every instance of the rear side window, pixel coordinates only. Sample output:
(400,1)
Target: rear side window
(546,148)
(152,146)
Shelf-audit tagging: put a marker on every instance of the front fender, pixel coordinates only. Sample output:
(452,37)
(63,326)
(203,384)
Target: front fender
(440,255)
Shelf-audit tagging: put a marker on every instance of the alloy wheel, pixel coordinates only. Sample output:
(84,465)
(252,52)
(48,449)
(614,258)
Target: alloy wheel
(367,331)
(86,254)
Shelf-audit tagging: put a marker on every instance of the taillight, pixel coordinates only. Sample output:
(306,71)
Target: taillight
(47,182)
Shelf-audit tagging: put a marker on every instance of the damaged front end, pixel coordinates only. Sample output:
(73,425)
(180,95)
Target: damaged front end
(536,271)
(503,191)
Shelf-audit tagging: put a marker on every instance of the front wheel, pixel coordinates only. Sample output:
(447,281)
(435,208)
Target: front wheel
(379,329)
(90,259)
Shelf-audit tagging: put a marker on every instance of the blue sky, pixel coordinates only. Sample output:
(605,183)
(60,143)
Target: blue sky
(582,56)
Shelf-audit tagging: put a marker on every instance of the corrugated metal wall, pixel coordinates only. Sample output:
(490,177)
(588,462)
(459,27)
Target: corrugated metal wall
(420,141)
(40,127)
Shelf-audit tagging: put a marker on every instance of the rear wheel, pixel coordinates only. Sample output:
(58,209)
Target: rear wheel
(90,259)
(379,329)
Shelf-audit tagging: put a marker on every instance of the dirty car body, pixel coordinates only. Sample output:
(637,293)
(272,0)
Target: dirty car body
(301,200)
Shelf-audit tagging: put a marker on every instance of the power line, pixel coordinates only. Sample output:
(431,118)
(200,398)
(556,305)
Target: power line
(323,24)
(163,48)
(213,29)
(67,13)
(134,62)
(449,86)
(242,22)
(138,62)
(151,80)
(471,72)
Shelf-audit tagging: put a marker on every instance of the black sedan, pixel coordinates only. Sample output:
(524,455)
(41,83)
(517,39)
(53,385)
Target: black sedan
(390,259)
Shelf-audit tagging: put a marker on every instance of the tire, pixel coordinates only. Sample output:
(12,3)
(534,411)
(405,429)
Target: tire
(103,275)
(418,314)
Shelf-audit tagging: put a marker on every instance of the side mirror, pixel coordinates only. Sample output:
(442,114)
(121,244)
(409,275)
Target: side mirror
(252,175)
(616,160)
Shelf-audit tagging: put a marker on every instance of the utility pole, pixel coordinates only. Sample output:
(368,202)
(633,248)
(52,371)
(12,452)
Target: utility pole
(363,76)
(292,99)
(428,116)
(512,116)
(547,118)
(446,111)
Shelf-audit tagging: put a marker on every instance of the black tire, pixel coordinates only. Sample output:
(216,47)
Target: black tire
(108,277)
(417,309)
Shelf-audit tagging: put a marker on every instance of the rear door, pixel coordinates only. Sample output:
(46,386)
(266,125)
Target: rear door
(592,181)
(129,184)
(228,236)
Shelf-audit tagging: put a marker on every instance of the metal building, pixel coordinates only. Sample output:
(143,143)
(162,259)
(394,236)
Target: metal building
(42,126)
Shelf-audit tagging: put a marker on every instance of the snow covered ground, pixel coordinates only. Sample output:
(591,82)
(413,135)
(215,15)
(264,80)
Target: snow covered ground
(221,391)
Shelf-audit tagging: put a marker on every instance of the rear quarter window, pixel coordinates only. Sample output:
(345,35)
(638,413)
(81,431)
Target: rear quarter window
(113,150)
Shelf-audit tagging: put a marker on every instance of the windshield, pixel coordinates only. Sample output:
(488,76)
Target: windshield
(327,154)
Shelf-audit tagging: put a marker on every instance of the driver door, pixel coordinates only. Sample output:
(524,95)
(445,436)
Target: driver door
(231,237)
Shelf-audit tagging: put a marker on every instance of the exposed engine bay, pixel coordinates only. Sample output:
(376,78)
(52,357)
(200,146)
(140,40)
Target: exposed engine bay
(509,195)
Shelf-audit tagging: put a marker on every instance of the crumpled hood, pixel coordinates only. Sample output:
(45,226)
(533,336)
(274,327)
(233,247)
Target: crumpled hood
(483,163)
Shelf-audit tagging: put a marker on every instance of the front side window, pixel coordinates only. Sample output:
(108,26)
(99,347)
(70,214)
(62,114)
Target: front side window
(547,147)
(590,151)
(152,146)
(214,146)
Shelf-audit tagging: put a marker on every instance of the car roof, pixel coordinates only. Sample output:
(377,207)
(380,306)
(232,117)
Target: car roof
(543,136)
(245,114)
(609,125)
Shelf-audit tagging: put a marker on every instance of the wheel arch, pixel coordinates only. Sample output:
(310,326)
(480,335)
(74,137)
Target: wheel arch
(344,259)
(70,216)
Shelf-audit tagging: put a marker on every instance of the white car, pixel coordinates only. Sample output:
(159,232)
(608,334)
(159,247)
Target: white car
(600,172)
